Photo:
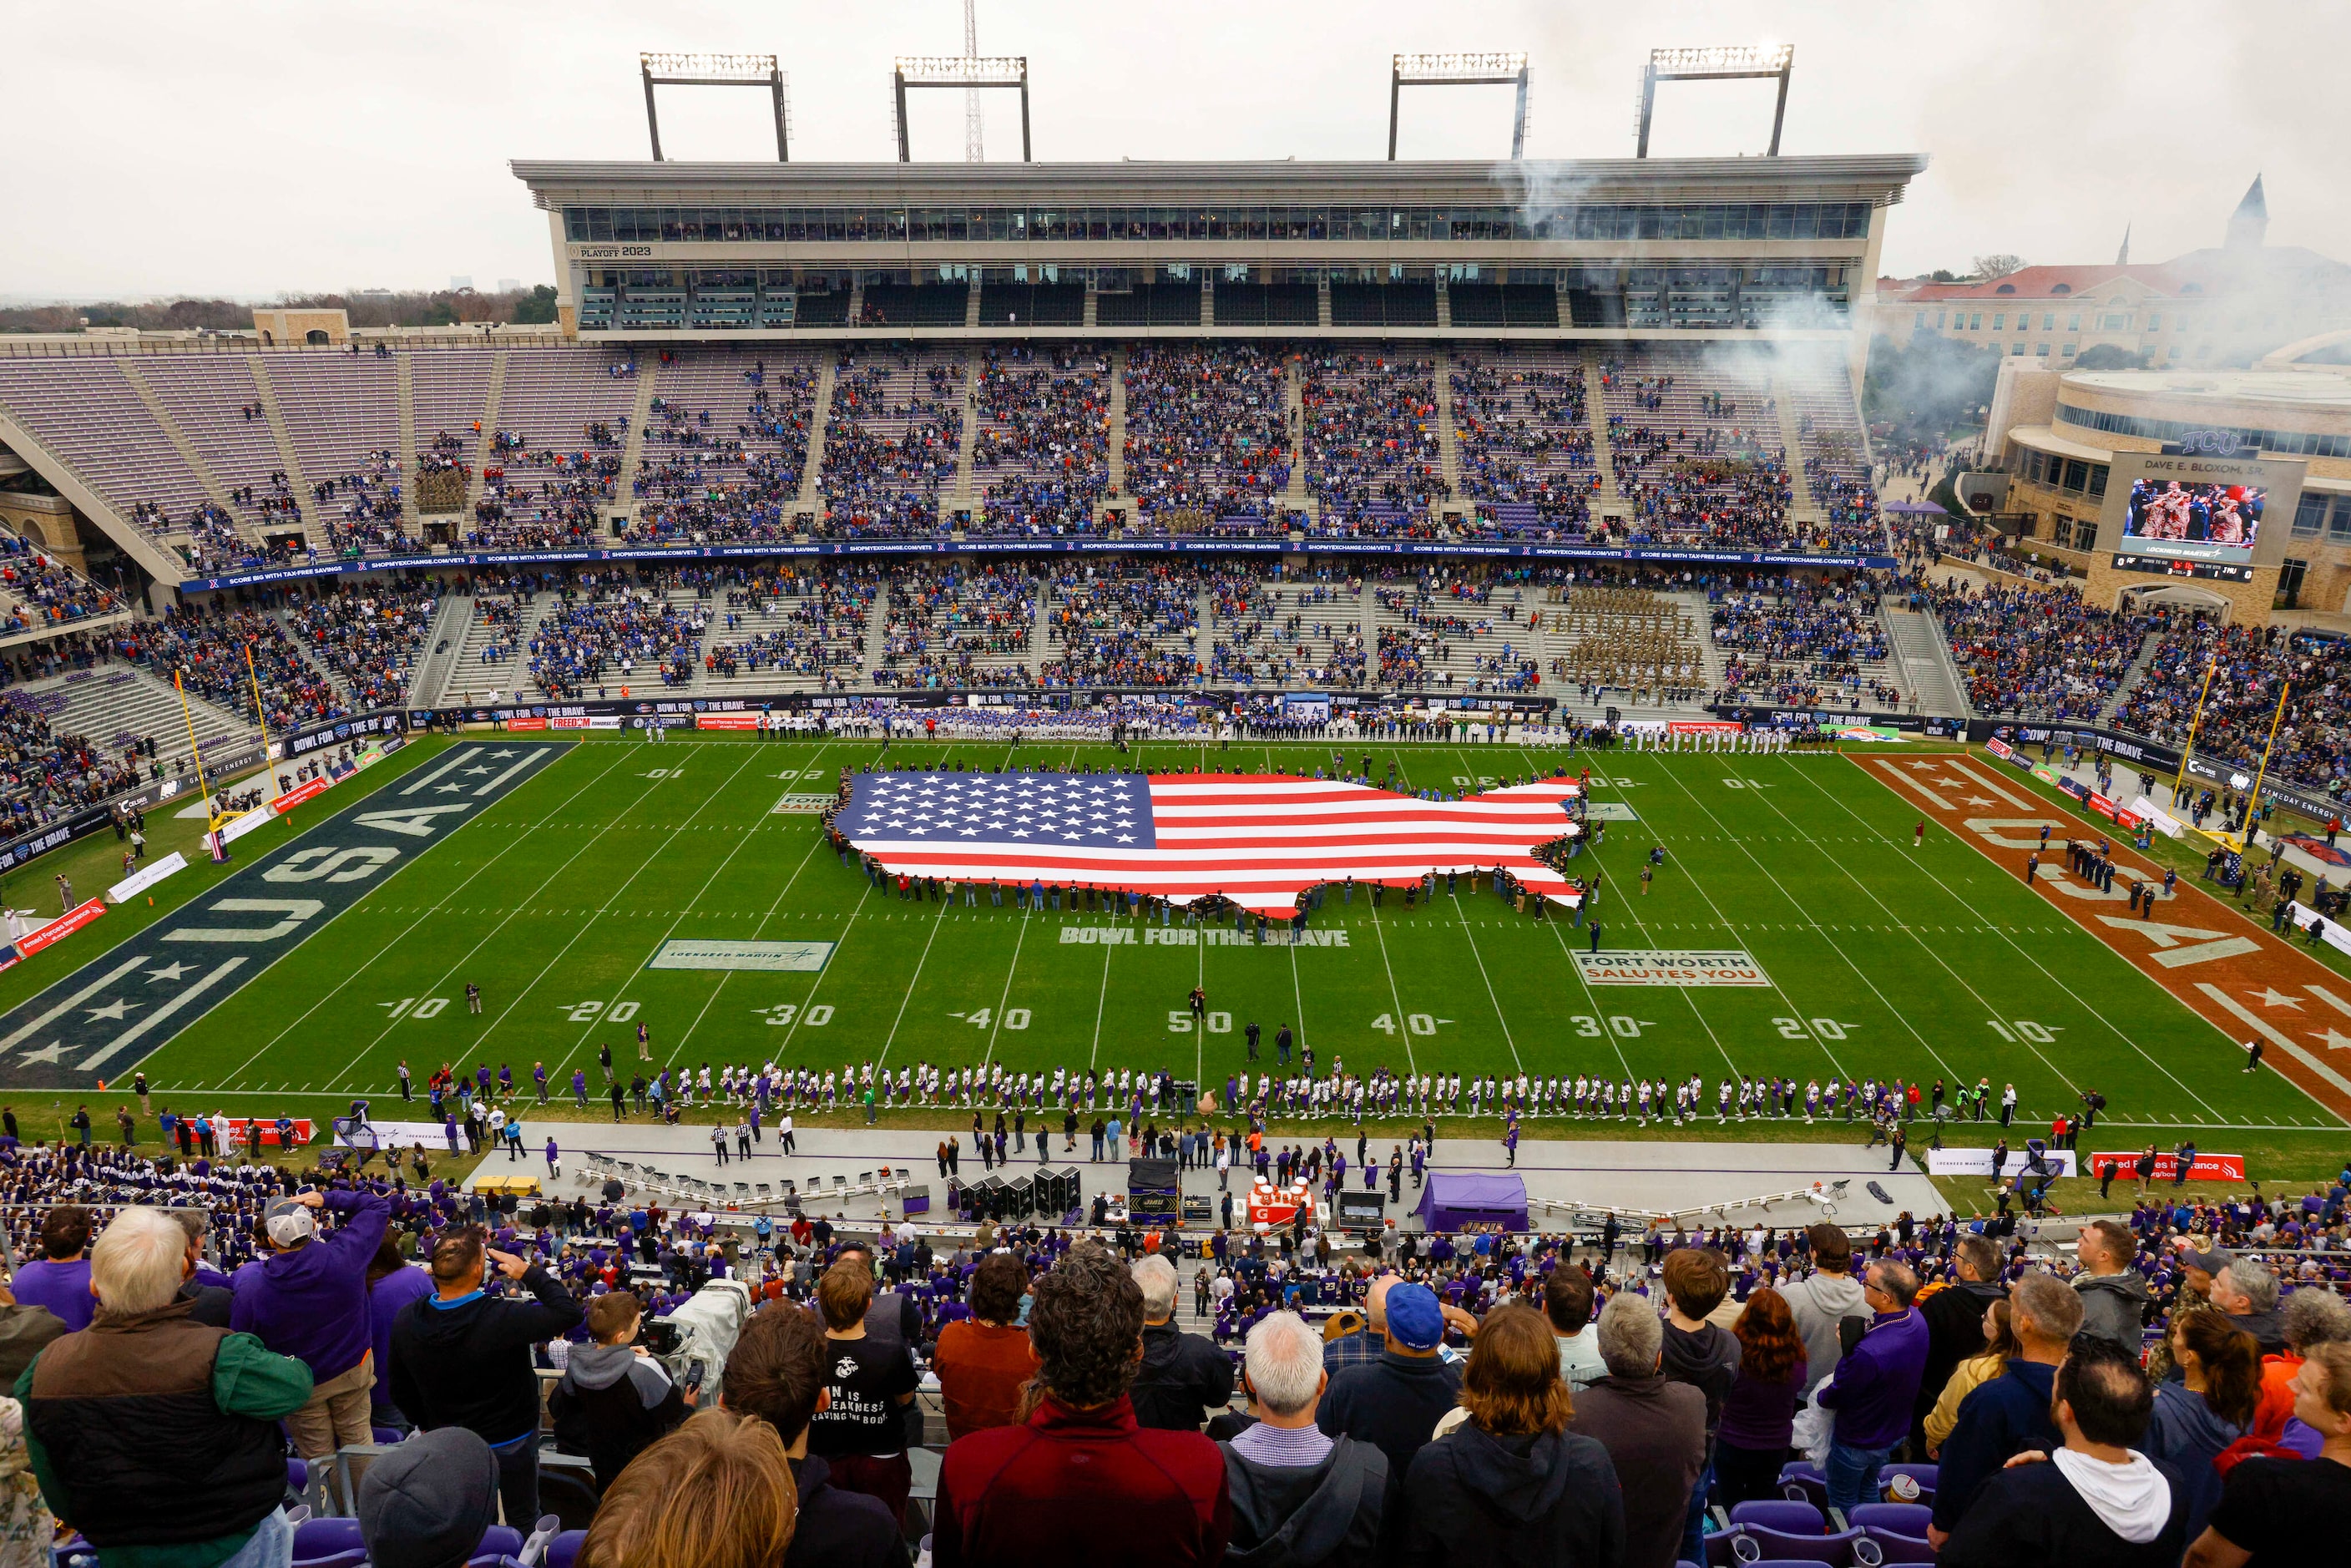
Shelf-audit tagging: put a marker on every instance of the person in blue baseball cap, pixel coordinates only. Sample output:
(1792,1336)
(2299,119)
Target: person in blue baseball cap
(1395,1402)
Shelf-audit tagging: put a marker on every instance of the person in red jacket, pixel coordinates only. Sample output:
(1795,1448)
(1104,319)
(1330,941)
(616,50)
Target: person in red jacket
(1079,1471)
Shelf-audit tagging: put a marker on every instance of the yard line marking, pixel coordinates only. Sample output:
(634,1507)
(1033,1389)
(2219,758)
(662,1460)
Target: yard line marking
(343,1080)
(437,905)
(1019,937)
(1411,1064)
(847,930)
(1491,997)
(71,1002)
(130,1035)
(1594,1001)
(789,881)
(1101,1001)
(2096,1013)
(2274,1035)
(2330,998)
(911,981)
(589,925)
(1700,889)
(679,919)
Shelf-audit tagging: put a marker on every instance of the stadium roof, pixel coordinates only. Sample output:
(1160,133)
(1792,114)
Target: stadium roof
(1874,177)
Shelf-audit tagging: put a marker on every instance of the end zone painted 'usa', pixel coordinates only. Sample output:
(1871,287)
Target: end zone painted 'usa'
(1670,967)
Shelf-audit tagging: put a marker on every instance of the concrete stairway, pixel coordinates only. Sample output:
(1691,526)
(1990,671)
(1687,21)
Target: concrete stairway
(1295,497)
(276,415)
(1802,506)
(2131,677)
(633,450)
(877,630)
(443,642)
(484,454)
(1604,456)
(812,466)
(960,498)
(1449,441)
(213,489)
(406,455)
(1117,436)
(1925,661)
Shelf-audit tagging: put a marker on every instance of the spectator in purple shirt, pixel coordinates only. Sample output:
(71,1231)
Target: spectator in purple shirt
(1875,1382)
(392,1281)
(308,1299)
(59,1280)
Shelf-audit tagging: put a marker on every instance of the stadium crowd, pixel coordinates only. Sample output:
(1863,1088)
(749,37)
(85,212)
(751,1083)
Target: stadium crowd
(2174,1388)
(1207,435)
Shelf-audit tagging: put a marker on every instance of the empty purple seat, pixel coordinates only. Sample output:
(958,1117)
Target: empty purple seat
(1803,1480)
(1786,1515)
(1758,1543)
(1901,1517)
(563,1550)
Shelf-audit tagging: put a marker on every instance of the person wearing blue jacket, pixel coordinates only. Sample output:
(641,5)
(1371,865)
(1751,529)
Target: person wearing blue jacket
(2010,1414)
(1875,1381)
(309,1298)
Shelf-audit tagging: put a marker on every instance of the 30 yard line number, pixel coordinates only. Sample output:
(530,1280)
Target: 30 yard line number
(1622,1026)
(782,1015)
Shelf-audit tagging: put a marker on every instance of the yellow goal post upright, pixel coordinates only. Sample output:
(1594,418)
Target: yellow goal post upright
(2195,722)
(214,819)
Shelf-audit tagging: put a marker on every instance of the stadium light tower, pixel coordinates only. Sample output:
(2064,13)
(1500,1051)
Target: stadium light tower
(968,71)
(972,152)
(1729,62)
(1499,68)
(663,69)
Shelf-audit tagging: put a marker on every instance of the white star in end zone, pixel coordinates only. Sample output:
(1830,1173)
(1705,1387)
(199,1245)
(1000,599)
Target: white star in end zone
(1977,800)
(1949,783)
(52,1051)
(2273,998)
(1924,767)
(171,971)
(116,1009)
(2335,1039)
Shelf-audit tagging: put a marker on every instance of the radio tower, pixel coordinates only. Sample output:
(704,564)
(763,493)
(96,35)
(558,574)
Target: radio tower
(971,149)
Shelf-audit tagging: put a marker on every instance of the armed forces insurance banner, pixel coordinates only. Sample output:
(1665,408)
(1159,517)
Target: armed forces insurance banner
(99,1021)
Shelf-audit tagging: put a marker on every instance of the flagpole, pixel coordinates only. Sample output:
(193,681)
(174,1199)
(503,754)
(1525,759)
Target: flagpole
(193,747)
(2254,801)
(2188,748)
(260,714)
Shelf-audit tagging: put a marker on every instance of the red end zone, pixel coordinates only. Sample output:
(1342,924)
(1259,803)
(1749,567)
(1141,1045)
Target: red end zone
(2221,966)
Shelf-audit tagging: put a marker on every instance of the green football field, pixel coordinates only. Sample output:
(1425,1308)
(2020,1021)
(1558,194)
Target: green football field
(1875,959)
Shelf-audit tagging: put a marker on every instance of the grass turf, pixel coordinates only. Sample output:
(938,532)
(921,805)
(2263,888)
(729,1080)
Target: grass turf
(1882,959)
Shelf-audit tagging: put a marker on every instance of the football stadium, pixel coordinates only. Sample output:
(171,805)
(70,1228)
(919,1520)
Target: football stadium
(1296,860)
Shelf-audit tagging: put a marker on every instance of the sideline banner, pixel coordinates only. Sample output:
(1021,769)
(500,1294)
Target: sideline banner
(2208,1167)
(141,881)
(1978,1162)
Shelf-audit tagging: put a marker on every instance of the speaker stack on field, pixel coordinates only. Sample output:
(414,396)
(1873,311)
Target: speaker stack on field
(1155,1189)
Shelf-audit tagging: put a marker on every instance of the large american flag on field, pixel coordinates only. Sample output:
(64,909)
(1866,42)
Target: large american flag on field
(1259,840)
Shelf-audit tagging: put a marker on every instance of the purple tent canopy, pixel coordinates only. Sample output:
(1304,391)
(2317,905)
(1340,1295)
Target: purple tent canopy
(1916,508)
(1451,1201)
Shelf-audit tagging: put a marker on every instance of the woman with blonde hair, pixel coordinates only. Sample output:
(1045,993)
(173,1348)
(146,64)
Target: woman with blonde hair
(1511,1483)
(716,1493)
(1999,1343)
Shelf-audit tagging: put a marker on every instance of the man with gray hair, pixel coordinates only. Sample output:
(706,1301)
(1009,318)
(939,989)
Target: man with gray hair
(2011,1413)
(1654,1429)
(1299,1496)
(148,1429)
(2248,1291)
(1184,1376)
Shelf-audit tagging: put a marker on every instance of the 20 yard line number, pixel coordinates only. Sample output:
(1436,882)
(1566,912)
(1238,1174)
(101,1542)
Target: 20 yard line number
(1812,1029)
(589,1012)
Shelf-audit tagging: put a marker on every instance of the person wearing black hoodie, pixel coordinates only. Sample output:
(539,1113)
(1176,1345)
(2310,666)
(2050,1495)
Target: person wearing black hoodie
(461,1357)
(1703,1355)
(2093,1502)
(1954,1318)
(1300,1499)
(614,1400)
(1511,1483)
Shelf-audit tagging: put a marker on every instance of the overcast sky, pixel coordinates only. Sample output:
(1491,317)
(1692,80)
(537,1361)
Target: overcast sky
(245,147)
